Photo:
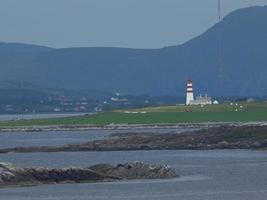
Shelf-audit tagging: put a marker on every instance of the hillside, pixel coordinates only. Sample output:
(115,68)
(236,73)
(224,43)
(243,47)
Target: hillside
(154,71)
(24,97)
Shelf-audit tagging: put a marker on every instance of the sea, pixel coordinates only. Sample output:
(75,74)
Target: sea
(203,175)
(5,117)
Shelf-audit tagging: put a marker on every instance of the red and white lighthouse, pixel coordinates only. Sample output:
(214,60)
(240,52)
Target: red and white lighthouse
(189,92)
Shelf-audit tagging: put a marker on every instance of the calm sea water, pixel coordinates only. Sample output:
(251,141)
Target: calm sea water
(205,175)
(48,138)
(5,117)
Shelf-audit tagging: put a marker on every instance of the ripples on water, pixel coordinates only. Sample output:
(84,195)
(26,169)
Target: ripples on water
(205,175)
(54,138)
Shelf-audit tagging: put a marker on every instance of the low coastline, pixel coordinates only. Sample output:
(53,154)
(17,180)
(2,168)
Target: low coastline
(216,137)
(39,128)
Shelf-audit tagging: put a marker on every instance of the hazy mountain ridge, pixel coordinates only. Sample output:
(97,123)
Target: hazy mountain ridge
(22,86)
(8,47)
(155,71)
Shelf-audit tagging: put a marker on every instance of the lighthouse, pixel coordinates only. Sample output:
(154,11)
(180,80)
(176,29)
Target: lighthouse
(189,92)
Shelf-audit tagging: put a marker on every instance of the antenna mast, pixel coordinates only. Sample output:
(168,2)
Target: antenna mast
(219,9)
(220,51)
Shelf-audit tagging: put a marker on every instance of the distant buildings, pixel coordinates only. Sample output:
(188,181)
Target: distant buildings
(56,110)
(199,100)
(118,98)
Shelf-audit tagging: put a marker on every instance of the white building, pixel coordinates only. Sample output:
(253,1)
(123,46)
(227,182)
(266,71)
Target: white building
(199,100)
(215,102)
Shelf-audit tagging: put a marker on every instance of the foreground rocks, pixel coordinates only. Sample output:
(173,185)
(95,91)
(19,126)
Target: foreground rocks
(223,137)
(11,175)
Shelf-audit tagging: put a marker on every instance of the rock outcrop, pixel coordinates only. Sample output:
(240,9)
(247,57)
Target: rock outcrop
(11,175)
(223,137)
(135,170)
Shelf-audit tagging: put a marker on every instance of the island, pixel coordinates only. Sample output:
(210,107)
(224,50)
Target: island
(11,175)
(221,137)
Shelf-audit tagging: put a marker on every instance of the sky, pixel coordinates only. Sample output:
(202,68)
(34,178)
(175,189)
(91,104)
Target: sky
(110,23)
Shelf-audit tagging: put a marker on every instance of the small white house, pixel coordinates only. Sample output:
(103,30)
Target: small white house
(215,102)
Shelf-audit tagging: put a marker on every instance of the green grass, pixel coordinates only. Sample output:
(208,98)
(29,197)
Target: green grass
(171,114)
(207,108)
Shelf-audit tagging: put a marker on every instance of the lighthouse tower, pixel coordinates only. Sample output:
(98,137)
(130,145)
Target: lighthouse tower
(189,92)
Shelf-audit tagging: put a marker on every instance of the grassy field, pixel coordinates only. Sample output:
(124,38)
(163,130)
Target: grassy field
(168,114)
(208,108)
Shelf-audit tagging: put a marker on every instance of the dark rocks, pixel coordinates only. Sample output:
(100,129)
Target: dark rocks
(223,137)
(11,175)
(135,170)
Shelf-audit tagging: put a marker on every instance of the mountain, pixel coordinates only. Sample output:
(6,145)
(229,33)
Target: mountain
(240,70)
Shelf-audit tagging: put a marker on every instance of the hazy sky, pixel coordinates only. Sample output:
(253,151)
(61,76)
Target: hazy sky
(118,23)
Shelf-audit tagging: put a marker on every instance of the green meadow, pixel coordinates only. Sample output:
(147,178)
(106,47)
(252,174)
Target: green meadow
(241,112)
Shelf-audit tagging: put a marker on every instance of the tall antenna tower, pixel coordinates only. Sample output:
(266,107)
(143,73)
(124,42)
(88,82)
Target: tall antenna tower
(220,51)
(219,9)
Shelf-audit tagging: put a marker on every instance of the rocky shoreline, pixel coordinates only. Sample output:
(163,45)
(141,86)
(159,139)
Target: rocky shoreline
(104,127)
(222,137)
(13,176)
(124,126)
